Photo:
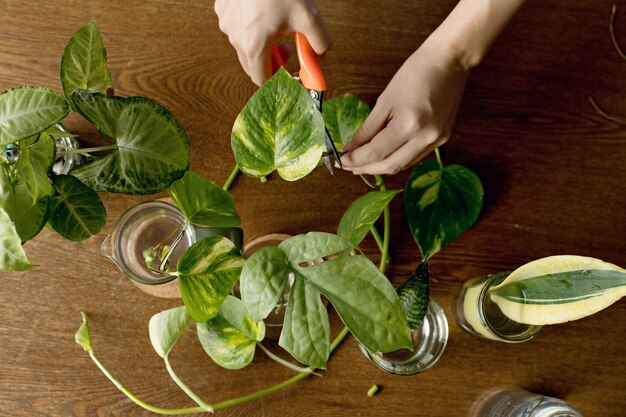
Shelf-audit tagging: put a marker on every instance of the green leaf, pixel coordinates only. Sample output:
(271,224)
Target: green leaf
(263,280)
(230,337)
(203,202)
(84,63)
(82,335)
(37,156)
(441,203)
(280,128)
(207,271)
(76,211)
(152,148)
(17,201)
(12,255)
(313,246)
(363,213)
(414,295)
(343,116)
(26,111)
(166,327)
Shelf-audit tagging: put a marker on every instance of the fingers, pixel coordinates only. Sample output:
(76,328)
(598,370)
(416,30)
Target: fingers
(259,65)
(372,125)
(384,144)
(312,25)
(407,155)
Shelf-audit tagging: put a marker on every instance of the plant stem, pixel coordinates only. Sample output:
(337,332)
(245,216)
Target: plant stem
(263,179)
(173,246)
(205,407)
(379,240)
(386,229)
(69,149)
(284,362)
(339,339)
(231,178)
(438,155)
(138,401)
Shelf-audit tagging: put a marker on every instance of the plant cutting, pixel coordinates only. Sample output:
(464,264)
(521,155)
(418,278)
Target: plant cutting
(148,151)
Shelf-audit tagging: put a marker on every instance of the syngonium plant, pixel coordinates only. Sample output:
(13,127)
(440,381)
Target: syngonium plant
(316,265)
(148,150)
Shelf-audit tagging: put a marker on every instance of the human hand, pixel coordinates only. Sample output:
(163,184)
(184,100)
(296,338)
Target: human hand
(252,26)
(413,116)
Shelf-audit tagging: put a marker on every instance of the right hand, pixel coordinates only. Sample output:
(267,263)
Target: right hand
(252,26)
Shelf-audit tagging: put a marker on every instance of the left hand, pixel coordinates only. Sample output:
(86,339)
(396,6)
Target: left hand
(413,116)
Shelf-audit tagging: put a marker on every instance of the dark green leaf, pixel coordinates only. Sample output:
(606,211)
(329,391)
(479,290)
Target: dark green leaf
(203,202)
(230,337)
(26,111)
(12,256)
(37,156)
(166,327)
(414,295)
(343,116)
(263,280)
(207,271)
(84,63)
(363,213)
(76,211)
(314,246)
(16,200)
(152,148)
(441,203)
(280,128)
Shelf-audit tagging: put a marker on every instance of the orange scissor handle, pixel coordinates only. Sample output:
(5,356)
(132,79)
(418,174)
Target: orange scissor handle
(310,70)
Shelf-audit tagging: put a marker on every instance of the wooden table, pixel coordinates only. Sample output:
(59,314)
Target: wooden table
(555,183)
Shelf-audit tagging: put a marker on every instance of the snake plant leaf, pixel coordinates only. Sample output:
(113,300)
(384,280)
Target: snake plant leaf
(230,338)
(414,295)
(37,156)
(17,201)
(84,63)
(166,327)
(343,116)
(152,149)
(558,289)
(280,128)
(82,335)
(75,211)
(203,202)
(207,271)
(12,255)
(441,203)
(263,280)
(314,246)
(363,213)
(26,111)
(306,331)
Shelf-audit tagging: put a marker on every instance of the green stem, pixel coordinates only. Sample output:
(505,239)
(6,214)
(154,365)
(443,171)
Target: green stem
(69,149)
(342,335)
(173,246)
(263,179)
(138,401)
(205,407)
(379,240)
(386,229)
(438,155)
(231,178)
(282,361)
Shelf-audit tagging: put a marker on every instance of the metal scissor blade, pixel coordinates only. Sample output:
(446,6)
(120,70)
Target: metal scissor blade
(330,147)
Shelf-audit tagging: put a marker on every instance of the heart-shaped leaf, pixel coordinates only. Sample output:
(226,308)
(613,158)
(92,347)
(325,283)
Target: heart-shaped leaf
(441,203)
(230,337)
(76,211)
(166,327)
(363,213)
(280,128)
(17,201)
(203,202)
(37,156)
(558,289)
(414,295)
(12,256)
(343,116)
(314,246)
(207,271)
(152,148)
(26,111)
(84,63)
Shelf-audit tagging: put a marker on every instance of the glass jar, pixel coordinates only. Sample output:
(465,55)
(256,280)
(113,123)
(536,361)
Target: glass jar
(515,402)
(65,161)
(480,316)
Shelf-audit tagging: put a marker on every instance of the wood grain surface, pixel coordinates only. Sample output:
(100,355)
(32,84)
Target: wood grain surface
(555,183)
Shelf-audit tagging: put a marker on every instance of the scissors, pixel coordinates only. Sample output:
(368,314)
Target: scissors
(311,77)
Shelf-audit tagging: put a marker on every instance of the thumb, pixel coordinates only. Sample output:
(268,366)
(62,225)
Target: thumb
(374,123)
(313,26)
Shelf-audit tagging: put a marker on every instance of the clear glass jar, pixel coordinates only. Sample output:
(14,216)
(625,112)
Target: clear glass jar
(477,314)
(515,402)
(429,342)
(65,161)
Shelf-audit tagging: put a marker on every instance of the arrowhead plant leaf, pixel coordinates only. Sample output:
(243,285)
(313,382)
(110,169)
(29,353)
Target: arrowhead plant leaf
(37,156)
(280,128)
(12,255)
(441,203)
